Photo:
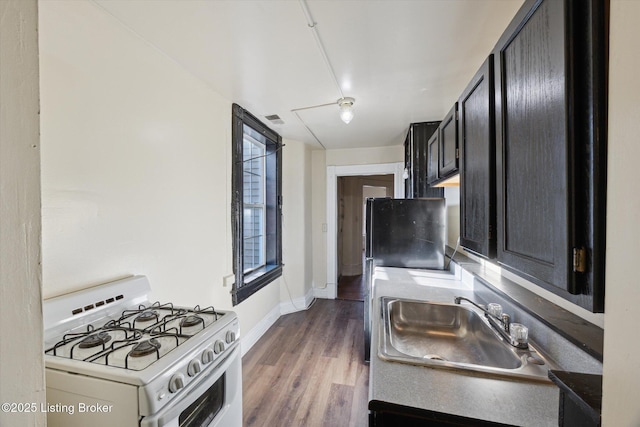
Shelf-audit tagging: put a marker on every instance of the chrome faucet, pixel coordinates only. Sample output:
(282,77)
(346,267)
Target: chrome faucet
(504,318)
(517,339)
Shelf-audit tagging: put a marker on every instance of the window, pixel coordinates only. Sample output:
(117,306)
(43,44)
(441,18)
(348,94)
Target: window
(256,211)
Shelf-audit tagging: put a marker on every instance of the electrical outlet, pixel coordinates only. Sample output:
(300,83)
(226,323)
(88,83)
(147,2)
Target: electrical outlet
(227,281)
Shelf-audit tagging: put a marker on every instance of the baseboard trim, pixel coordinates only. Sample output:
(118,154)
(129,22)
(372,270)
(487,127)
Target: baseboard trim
(328,292)
(299,304)
(247,341)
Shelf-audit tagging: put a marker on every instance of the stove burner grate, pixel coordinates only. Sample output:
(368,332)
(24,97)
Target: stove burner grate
(146,347)
(207,310)
(95,340)
(143,331)
(191,321)
(147,316)
(148,313)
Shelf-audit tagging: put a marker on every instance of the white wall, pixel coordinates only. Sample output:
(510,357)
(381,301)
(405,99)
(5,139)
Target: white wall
(364,156)
(319,217)
(136,170)
(21,348)
(296,239)
(452,196)
(622,300)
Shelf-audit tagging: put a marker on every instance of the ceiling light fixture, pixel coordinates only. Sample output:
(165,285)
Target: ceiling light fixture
(346,108)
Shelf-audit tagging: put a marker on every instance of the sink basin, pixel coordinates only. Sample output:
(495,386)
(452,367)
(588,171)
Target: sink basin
(452,336)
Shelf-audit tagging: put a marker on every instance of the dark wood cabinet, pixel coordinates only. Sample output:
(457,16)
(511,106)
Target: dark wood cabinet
(385,414)
(580,398)
(448,144)
(433,148)
(416,157)
(550,97)
(476,132)
(442,150)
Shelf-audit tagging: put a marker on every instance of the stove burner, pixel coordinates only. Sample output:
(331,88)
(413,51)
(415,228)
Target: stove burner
(95,340)
(191,321)
(147,316)
(144,348)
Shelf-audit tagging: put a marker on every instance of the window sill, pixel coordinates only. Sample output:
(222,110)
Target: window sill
(255,281)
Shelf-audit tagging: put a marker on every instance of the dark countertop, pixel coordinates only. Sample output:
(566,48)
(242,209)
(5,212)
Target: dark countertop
(584,389)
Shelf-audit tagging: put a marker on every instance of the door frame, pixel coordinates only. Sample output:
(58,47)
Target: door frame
(333,172)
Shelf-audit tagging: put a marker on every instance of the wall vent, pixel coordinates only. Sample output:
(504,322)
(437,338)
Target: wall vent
(275,119)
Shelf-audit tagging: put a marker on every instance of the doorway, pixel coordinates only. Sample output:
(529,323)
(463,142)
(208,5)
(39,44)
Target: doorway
(333,172)
(352,193)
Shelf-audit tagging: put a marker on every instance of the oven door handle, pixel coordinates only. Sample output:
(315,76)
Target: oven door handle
(169,415)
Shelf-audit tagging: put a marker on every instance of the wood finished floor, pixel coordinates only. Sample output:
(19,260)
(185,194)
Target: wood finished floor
(307,370)
(351,287)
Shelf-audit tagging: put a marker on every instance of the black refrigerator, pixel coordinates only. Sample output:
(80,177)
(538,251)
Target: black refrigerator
(409,233)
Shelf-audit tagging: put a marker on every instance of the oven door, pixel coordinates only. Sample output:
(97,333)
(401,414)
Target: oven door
(215,400)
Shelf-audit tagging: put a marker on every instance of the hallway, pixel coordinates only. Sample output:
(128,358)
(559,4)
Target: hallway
(351,288)
(308,369)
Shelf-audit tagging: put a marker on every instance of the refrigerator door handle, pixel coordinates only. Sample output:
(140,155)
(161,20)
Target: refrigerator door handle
(368,276)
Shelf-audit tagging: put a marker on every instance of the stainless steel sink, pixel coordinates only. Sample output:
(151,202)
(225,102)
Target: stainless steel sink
(451,336)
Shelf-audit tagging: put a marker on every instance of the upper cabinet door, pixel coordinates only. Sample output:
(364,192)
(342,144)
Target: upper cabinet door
(433,147)
(421,133)
(551,149)
(449,144)
(476,124)
(531,99)
(416,161)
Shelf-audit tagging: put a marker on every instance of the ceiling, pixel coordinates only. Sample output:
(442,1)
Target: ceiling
(403,61)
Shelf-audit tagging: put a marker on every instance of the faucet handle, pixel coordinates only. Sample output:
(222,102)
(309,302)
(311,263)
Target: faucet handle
(519,334)
(494,309)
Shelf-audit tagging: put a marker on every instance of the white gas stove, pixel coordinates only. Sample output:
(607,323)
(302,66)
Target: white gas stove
(114,358)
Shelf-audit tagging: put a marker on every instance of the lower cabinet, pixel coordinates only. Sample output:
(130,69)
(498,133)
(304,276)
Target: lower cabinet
(383,414)
(580,398)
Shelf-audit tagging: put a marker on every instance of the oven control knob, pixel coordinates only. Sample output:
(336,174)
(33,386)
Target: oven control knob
(176,383)
(207,356)
(231,337)
(194,368)
(218,347)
